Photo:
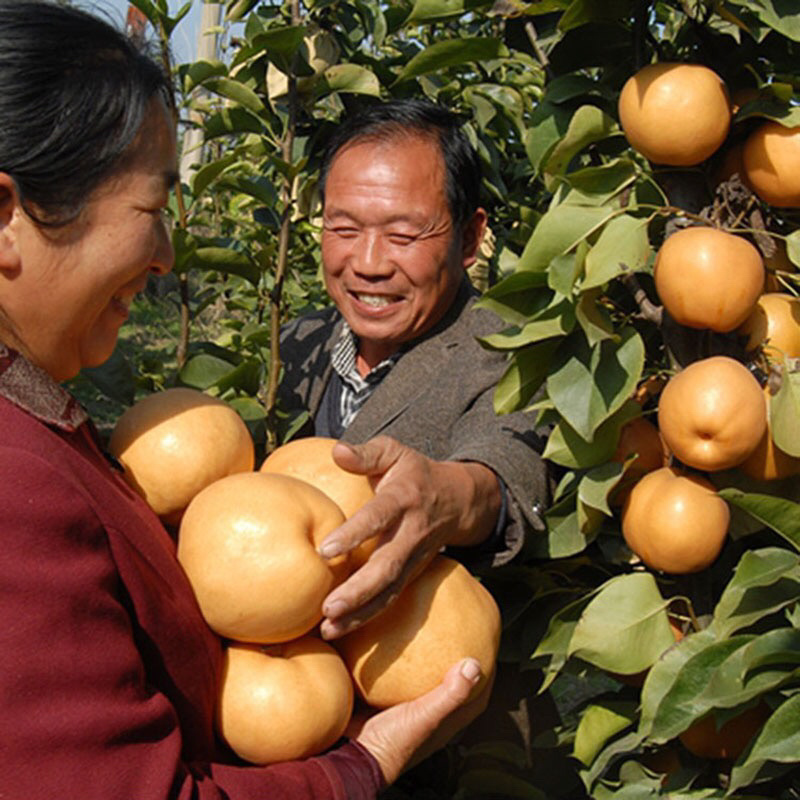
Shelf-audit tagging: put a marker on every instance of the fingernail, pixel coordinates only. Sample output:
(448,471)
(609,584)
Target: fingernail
(471,670)
(335,608)
(329,549)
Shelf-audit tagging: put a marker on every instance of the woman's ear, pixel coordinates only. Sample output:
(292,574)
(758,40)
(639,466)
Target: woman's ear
(9,209)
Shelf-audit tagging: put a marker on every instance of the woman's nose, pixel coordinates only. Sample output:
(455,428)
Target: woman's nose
(164,256)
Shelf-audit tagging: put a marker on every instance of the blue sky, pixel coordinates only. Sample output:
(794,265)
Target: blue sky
(184,37)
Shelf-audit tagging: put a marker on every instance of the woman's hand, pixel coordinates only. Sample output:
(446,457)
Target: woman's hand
(402,735)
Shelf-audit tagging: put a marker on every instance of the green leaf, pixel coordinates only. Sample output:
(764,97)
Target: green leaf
(589,519)
(764,581)
(625,627)
(777,742)
(765,663)
(232,120)
(581,12)
(451,53)
(557,319)
(600,722)
(793,247)
(785,412)
(594,320)
(245,378)
(685,701)
(623,246)
(433,10)
(617,748)
(503,97)
(596,186)
(567,87)
(517,297)
(248,408)
(597,484)
(351,78)
(783,516)
(230,262)
(547,125)
(559,231)
(544,6)
(185,246)
(568,449)
(555,642)
(238,9)
(565,269)
(588,384)
(524,376)
(236,91)
(206,175)
(259,188)
(568,532)
(200,71)
(780,15)
(181,12)
(204,370)
(279,44)
(588,125)
(664,673)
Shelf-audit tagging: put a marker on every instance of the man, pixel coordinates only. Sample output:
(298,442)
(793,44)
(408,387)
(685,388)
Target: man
(395,369)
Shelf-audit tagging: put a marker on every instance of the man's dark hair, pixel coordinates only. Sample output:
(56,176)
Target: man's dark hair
(410,117)
(74,92)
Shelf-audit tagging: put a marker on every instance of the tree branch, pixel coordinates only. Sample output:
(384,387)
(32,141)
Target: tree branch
(647,309)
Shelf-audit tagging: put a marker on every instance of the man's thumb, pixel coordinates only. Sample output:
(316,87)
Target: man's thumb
(374,457)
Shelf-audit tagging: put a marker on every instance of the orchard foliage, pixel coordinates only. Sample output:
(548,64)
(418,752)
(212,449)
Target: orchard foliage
(577,218)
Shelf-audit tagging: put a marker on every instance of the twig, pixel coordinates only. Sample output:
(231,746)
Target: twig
(649,388)
(647,309)
(530,30)
(276,295)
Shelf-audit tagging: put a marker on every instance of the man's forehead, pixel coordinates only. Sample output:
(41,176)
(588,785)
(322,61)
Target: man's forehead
(392,139)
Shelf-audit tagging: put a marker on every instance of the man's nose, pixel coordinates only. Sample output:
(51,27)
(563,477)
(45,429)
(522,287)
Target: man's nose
(370,256)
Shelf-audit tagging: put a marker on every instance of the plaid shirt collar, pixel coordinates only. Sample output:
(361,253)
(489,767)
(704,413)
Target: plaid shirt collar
(343,360)
(355,390)
(34,391)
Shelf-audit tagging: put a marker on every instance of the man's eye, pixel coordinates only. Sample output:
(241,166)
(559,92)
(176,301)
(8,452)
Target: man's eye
(344,232)
(401,239)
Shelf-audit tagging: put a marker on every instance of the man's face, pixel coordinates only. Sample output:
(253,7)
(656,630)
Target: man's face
(391,257)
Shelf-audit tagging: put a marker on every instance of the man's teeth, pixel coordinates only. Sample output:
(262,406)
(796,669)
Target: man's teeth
(374,300)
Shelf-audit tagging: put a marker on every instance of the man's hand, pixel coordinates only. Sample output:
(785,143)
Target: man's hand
(420,505)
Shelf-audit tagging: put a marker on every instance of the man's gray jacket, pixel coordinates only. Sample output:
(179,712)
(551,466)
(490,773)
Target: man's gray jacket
(436,399)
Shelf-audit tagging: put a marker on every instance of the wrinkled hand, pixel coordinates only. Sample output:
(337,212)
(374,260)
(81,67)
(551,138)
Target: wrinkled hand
(420,505)
(404,734)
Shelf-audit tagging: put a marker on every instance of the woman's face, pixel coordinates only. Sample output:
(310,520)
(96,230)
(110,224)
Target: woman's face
(65,293)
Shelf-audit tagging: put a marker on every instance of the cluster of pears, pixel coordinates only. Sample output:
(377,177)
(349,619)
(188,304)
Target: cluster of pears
(247,540)
(714,414)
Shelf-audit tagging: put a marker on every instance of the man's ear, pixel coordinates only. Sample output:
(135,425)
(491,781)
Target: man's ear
(9,207)
(472,237)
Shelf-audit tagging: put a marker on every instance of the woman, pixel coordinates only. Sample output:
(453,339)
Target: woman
(107,671)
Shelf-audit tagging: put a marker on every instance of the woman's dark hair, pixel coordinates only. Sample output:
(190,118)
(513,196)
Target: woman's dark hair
(416,117)
(74,92)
